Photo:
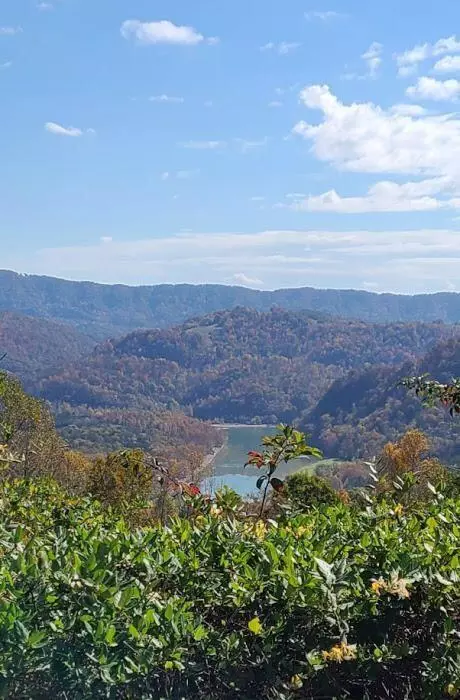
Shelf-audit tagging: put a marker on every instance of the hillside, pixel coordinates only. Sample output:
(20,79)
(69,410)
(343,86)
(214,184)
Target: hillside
(33,347)
(102,311)
(236,366)
(361,412)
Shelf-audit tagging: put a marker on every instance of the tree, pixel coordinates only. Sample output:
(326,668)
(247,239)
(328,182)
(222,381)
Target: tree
(409,456)
(306,490)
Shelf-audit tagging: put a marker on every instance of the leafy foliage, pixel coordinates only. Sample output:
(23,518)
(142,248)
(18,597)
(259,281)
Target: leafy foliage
(359,414)
(103,311)
(237,366)
(287,444)
(335,602)
(306,490)
(33,347)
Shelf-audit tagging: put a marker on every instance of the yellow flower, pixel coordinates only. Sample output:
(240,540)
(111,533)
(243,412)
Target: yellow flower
(301,530)
(260,529)
(296,682)
(216,511)
(340,652)
(398,510)
(378,586)
(452,690)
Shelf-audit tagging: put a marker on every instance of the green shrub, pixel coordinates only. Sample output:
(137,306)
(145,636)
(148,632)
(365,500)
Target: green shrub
(337,603)
(306,490)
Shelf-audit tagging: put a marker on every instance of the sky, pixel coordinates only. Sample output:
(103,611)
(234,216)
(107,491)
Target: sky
(263,143)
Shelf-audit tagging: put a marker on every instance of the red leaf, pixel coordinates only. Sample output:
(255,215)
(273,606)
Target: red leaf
(191,489)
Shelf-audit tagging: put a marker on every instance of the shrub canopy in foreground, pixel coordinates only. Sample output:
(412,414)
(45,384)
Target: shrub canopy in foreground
(335,603)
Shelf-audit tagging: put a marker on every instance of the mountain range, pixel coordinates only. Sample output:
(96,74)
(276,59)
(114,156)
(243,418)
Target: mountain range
(329,370)
(103,311)
(238,366)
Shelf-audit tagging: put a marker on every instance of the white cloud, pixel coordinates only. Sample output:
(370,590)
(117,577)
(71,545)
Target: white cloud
(257,198)
(395,260)
(162,32)
(204,145)
(10,31)
(448,64)
(275,103)
(323,15)
(59,130)
(409,60)
(432,89)
(166,98)
(246,281)
(106,239)
(384,196)
(44,6)
(283,48)
(408,110)
(165,175)
(363,137)
(6,65)
(373,58)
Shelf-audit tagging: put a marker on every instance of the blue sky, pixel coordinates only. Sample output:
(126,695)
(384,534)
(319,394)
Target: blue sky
(252,142)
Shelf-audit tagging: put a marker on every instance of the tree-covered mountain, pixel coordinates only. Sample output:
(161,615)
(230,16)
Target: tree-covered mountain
(364,410)
(236,366)
(33,347)
(102,311)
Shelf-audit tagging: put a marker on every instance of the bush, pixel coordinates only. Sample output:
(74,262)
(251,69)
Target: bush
(337,603)
(306,491)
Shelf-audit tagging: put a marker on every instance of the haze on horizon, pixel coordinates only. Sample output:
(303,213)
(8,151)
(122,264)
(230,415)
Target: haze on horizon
(309,145)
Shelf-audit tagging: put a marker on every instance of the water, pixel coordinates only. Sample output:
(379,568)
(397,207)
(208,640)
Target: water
(228,465)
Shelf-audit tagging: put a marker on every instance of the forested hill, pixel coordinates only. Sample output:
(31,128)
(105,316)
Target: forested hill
(361,412)
(103,311)
(32,347)
(237,366)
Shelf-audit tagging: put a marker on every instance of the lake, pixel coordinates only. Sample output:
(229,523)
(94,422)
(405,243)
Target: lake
(228,465)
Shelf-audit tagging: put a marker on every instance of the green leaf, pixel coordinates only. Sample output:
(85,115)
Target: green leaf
(110,634)
(133,632)
(324,567)
(169,612)
(199,633)
(37,639)
(261,480)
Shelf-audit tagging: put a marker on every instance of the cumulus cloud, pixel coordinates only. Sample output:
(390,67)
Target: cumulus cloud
(409,110)
(431,89)
(448,64)
(409,60)
(402,140)
(384,196)
(373,58)
(162,32)
(363,137)
(246,281)
(59,130)
(283,48)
